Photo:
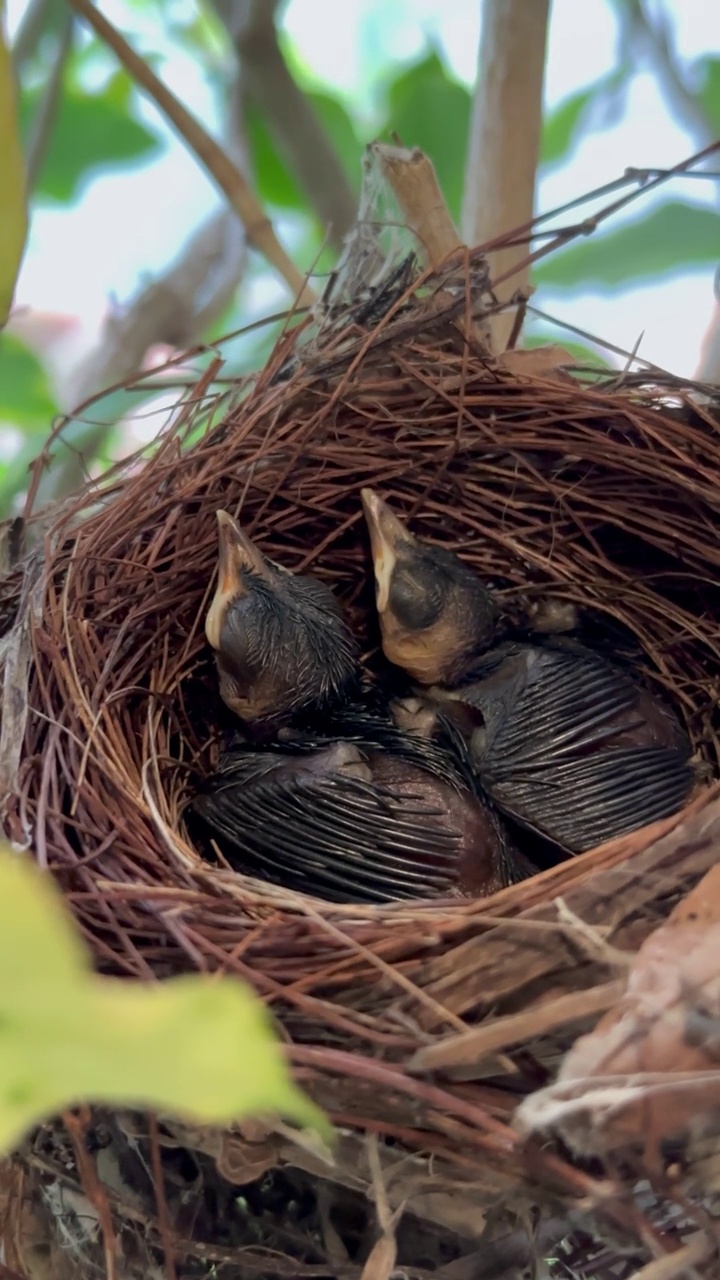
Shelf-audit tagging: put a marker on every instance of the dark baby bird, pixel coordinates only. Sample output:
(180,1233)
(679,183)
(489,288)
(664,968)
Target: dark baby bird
(565,743)
(330,788)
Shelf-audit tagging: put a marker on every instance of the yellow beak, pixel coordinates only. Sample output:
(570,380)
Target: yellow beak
(387,534)
(236,553)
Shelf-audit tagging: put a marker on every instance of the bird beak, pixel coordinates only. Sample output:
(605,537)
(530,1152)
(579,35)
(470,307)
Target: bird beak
(387,536)
(235,553)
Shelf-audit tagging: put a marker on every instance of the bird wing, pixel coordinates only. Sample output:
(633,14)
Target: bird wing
(558,704)
(583,803)
(550,761)
(328,834)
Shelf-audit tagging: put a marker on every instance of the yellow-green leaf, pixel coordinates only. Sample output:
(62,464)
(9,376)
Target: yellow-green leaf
(200,1047)
(13,211)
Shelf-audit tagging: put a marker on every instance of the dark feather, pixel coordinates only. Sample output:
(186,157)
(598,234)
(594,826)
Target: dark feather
(559,749)
(331,835)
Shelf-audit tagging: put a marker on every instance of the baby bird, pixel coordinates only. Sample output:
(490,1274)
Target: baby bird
(435,614)
(281,643)
(331,788)
(565,743)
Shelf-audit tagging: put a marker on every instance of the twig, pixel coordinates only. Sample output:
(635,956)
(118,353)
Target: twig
(679,1265)
(163,1217)
(505,135)
(288,114)
(45,117)
(93,1188)
(473,1045)
(218,164)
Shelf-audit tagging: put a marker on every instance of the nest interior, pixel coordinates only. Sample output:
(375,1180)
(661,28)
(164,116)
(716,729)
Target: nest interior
(603,494)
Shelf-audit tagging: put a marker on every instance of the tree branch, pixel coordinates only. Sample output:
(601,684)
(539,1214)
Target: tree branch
(216,161)
(39,17)
(289,116)
(653,38)
(175,309)
(505,133)
(42,125)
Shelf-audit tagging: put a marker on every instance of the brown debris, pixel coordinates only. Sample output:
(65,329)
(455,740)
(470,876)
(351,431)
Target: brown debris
(648,1073)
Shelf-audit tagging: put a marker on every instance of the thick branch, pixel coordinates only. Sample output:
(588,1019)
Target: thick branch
(288,114)
(505,135)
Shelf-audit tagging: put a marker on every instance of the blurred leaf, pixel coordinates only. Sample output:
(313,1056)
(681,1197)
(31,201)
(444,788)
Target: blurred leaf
(91,131)
(13,211)
(709,94)
(562,126)
(276,185)
(581,354)
(670,238)
(196,1046)
(25,396)
(429,110)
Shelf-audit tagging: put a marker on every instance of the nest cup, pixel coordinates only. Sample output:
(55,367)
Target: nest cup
(602,494)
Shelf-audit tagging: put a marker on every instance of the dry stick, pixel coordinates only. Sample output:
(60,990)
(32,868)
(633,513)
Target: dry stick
(229,178)
(469,1048)
(411,177)
(76,1126)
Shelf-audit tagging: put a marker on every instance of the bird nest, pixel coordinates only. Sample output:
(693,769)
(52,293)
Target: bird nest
(421,1029)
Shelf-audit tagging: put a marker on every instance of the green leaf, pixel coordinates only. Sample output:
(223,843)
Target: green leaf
(91,131)
(195,1046)
(25,396)
(13,209)
(709,94)
(670,238)
(427,109)
(562,127)
(276,185)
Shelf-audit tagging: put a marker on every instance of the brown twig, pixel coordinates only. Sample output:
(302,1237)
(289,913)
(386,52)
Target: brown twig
(76,1126)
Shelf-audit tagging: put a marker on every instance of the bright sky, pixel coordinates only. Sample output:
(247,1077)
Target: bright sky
(131,223)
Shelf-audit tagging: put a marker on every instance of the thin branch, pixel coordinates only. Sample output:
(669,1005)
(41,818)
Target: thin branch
(218,164)
(40,17)
(288,115)
(653,37)
(42,126)
(505,134)
(174,310)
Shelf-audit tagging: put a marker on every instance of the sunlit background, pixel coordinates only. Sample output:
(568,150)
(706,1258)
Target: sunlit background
(95,240)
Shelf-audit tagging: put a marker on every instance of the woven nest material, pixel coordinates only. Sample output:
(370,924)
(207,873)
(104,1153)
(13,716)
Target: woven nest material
(603,494)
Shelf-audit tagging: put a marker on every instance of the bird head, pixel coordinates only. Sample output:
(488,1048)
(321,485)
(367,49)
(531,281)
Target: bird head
(281,642)
(435,613)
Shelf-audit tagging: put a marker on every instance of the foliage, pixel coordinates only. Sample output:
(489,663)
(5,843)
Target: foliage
(93,130)
(638,249)
(100,125)
(195,1046)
